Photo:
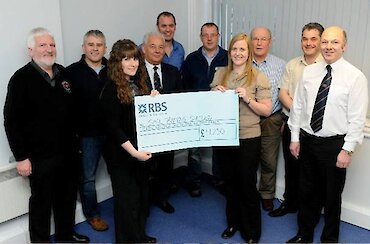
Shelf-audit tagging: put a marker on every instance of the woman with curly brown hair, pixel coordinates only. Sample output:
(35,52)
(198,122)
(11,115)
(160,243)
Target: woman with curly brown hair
(128,169)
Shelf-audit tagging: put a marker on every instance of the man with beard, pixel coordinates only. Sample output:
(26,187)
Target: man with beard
(38,124)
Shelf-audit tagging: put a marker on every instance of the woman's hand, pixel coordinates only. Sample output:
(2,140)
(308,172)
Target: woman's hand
(139,155)
(220,88)
(154,93)
(143,155)
(241,91)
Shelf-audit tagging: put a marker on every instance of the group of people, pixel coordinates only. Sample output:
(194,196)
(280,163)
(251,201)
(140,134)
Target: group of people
(58,119)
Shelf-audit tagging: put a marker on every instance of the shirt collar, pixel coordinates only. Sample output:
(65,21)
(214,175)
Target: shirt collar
(267,59)
(205,54)
(150,66)
(44,73)
(319,58)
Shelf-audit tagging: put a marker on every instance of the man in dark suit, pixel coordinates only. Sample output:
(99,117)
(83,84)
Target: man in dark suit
(163,78)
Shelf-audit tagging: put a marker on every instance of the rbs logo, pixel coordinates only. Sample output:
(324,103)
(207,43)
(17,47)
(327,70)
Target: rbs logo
(152,108)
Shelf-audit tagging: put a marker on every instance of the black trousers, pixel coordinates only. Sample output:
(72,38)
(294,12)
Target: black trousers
(54,183)
(321,185)
(130,200)
(239,167)
(161,173)
(291,171)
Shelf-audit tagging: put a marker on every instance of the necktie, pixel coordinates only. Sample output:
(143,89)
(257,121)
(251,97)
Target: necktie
(157,79)
(320,102)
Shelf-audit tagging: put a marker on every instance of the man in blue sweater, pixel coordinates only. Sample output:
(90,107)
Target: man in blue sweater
(197,71)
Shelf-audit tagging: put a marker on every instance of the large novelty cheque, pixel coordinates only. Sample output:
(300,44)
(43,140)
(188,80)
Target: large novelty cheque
(184,120)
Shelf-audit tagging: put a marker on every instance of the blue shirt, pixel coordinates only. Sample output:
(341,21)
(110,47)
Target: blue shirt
(176,58)
(273,67)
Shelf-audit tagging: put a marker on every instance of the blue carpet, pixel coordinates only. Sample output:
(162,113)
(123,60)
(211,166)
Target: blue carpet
(202,220)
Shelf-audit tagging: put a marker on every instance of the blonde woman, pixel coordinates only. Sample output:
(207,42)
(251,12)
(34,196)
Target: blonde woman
(239,164)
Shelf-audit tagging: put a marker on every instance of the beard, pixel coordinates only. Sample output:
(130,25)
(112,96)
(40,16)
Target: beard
(45,62)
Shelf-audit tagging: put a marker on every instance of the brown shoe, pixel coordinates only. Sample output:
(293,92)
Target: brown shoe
(98,224)
(267,204)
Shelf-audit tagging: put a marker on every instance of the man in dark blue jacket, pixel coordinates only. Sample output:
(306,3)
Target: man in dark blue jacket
(197,71)
(87,77)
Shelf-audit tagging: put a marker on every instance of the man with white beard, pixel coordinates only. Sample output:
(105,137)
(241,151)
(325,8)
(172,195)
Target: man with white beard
(38,121)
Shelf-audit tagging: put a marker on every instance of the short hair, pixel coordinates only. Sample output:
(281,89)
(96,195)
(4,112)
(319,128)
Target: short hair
(38,31)
(95,33)
(261,27)
(168,14)
(208,24)
(313,26)
(152,33)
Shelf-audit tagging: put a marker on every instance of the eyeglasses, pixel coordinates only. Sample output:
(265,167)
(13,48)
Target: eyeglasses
(211,35)
(263,39)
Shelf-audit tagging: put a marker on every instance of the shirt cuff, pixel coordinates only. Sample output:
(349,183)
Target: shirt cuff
(294,136)
(349,146)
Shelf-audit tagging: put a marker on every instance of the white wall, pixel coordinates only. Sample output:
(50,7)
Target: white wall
(16,20)
(116,19)
(285,19)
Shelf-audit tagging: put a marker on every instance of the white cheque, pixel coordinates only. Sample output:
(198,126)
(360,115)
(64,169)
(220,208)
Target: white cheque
(183,120)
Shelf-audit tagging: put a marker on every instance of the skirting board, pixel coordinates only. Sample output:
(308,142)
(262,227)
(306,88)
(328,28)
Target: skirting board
(16,230)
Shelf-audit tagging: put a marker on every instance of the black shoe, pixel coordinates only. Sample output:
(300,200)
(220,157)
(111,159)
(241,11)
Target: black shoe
(251,241)
(229,232)
(298,239)
(149,239)
(166,207)
(282,210)
(194,190)
(74,238)
(174,188)
(267,204)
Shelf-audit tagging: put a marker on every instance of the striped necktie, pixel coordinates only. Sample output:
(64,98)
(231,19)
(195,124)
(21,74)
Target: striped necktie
(320,102)
(157,79)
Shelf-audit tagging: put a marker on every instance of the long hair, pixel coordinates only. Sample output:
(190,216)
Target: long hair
(126,49)
(248,71)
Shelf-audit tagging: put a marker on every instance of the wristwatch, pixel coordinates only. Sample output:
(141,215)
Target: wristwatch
(350,153)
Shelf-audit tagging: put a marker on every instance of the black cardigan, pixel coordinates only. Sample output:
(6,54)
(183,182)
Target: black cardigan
(37,116)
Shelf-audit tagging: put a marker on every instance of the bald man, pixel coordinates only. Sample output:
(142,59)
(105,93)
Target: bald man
(325,142)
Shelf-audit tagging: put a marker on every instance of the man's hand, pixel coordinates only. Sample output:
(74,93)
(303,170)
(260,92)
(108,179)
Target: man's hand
(294,149)
(343,159)
(24,167)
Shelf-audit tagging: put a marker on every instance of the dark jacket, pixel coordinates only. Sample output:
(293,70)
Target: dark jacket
(119,125)
(171,79)
(196,74)
(87,86)
(38,116)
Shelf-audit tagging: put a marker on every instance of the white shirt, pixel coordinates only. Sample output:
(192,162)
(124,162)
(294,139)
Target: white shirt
(346,106)
(292,75)
(150,69)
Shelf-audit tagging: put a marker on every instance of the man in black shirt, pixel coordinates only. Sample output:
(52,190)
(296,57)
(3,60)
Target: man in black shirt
(38,124)
(87,77)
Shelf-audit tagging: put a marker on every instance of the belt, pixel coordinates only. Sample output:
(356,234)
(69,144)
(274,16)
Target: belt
(307,135)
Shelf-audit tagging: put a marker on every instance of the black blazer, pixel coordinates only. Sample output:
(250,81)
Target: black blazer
(171,79)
